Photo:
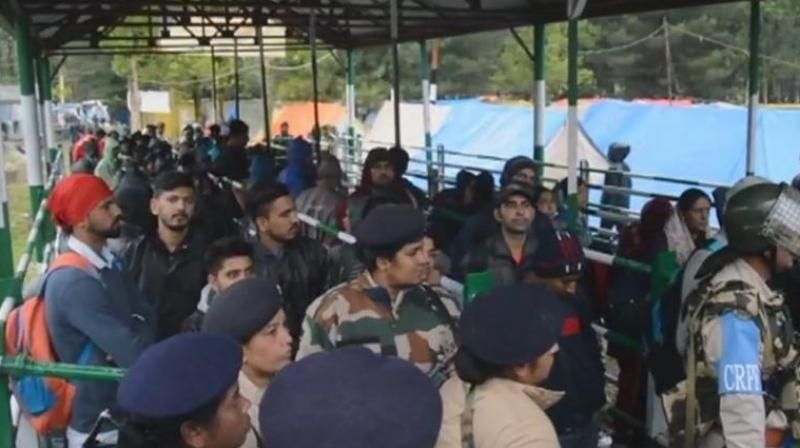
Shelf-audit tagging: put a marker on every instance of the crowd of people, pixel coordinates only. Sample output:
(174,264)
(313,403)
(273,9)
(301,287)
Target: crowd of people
(240,326)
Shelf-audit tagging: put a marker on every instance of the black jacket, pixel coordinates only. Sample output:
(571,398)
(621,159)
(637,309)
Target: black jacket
(578,369)
(617,177)
(171,281)
(133,197)
(303,272)
(232,163)
(494,255)
(448,217)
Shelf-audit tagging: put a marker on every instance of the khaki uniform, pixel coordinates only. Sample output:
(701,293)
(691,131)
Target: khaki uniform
(505,414)
(723,413)
(411,326)
(253,394)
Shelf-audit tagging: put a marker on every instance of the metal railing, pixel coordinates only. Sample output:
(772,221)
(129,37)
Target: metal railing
(437,176)
(632,175)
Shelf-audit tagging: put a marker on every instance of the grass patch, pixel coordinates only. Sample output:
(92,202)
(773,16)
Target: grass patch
(19,207)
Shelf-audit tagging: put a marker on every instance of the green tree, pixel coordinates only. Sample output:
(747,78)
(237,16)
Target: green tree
(188,76)
(513,73)
(293,79)
(468,62)
(8,59)
(90,77)
(781,18)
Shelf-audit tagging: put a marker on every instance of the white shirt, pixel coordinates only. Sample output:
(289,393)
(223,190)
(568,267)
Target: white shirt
(104,260)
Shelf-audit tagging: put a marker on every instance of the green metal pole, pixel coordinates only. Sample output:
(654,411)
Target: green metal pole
(236,99)
(6,253)
(572,125)
(45,74)
(312,37)
(351,112)
(425,74)
(20,366)
(393,9)
(754,86)
(29,119)
(540,97)
(214,96)
(264,92)
(46,92)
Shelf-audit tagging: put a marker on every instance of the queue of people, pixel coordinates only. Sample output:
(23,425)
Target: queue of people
(240,327)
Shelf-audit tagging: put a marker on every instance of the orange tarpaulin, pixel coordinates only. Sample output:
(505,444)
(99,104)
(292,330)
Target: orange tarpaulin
(300,117)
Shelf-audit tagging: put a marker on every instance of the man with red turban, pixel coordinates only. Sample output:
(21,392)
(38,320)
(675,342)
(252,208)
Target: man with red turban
(95,314)
(74,201)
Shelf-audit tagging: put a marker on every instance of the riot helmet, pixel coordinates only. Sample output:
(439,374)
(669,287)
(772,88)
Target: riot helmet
(763,216)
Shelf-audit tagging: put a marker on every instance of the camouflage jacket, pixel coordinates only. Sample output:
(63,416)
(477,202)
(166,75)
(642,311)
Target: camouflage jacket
(736,288)
(360,312)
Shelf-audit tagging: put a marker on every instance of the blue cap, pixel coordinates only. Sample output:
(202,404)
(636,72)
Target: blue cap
(511,325)
(351,398)
(243,309)
(180,375)
(389,226)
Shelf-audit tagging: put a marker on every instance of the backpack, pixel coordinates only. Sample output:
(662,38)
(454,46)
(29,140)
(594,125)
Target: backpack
(664,361)
(46,401)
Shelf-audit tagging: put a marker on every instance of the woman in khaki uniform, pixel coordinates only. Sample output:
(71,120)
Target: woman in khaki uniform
(508,343)
(250,312)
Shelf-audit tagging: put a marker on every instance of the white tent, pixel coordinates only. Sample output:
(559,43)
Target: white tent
(556,152)
(412,133)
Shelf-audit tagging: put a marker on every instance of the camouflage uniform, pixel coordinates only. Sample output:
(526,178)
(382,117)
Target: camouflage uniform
(736,333)
(412,326)
(738,289)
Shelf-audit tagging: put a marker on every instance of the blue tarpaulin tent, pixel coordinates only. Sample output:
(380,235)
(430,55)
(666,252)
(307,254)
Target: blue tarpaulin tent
(475,127)
(699,142)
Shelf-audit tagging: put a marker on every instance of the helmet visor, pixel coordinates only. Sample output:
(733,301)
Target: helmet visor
(782,225)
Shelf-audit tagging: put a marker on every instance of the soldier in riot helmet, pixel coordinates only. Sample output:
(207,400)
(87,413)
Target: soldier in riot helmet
(735,332)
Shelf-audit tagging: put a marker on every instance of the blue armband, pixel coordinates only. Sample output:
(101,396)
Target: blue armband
(739,367)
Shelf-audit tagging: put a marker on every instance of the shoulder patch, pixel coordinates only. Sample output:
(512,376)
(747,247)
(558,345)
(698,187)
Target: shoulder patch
(739,367)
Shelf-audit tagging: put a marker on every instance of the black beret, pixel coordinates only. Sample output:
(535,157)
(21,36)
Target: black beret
(390,225)
(351,398)
(511,325)
(558,254)
(180,375)
(243,309)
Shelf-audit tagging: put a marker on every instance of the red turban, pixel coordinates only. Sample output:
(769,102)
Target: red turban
(75,197)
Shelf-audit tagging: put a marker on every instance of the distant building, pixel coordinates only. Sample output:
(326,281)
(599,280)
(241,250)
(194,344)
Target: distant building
(10,111)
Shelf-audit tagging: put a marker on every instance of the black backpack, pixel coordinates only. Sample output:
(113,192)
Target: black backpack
(663,360)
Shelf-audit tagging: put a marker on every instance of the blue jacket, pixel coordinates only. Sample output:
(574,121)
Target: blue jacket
(262,166)
(108,312)
(299,173)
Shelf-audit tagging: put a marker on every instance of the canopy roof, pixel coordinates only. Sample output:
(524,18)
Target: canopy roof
(108,26)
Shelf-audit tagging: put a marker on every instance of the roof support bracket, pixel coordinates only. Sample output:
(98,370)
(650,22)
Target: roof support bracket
(57,68)
(522,44)
(337,59)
